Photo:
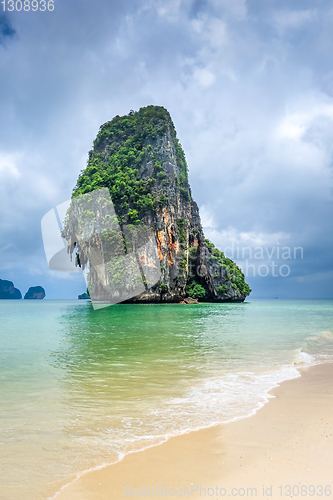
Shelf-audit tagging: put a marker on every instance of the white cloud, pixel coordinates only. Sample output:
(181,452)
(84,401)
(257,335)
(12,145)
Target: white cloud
(233,236)
(254,239)
(236,8)
(293,19)
(166,9)
(295,123)
(8,168)
(212,30)
(204,77)
(290,128)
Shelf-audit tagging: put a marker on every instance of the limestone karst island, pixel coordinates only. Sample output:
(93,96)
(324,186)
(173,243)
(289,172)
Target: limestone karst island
(8,291)
(139,158)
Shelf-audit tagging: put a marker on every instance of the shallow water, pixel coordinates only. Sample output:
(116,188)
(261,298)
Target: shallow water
(79,388)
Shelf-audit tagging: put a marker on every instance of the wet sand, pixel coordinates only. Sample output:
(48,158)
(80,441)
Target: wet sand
(284,450)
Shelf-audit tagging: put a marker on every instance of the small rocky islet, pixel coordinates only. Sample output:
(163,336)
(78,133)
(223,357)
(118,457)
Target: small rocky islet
(35,292)
(8,291)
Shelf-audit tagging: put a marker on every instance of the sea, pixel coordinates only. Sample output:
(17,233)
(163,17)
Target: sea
(81,388)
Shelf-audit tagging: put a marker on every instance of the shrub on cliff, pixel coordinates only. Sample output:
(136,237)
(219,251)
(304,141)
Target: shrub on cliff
(196,291)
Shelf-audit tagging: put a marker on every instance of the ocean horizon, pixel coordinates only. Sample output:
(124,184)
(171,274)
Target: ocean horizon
(80,388)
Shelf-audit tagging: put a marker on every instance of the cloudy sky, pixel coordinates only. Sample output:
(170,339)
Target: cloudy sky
(249,85)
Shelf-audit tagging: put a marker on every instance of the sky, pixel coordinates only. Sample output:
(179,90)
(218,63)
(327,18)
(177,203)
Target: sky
(249,86)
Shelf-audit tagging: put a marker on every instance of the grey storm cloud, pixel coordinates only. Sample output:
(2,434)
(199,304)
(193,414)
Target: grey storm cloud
(248,85)
(6,29)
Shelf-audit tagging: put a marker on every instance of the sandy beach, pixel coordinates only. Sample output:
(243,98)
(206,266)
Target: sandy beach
(284,450)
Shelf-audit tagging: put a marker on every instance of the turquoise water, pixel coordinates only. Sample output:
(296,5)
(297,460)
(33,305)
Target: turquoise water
(80,388)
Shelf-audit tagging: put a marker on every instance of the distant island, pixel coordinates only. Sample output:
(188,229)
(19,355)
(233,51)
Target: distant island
(35,292)
(139,158)
(8,291)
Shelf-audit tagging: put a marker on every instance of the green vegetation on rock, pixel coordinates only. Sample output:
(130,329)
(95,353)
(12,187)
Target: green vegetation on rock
(234,273)
(196,291)
(122,146)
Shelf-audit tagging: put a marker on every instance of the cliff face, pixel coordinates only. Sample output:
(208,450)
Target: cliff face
(140,160)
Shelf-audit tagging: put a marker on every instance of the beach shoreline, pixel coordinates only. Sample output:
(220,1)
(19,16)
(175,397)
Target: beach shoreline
(284,449)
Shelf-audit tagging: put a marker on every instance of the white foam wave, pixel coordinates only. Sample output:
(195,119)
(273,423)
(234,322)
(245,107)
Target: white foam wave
(213,401)
(304,358)
(319,345)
